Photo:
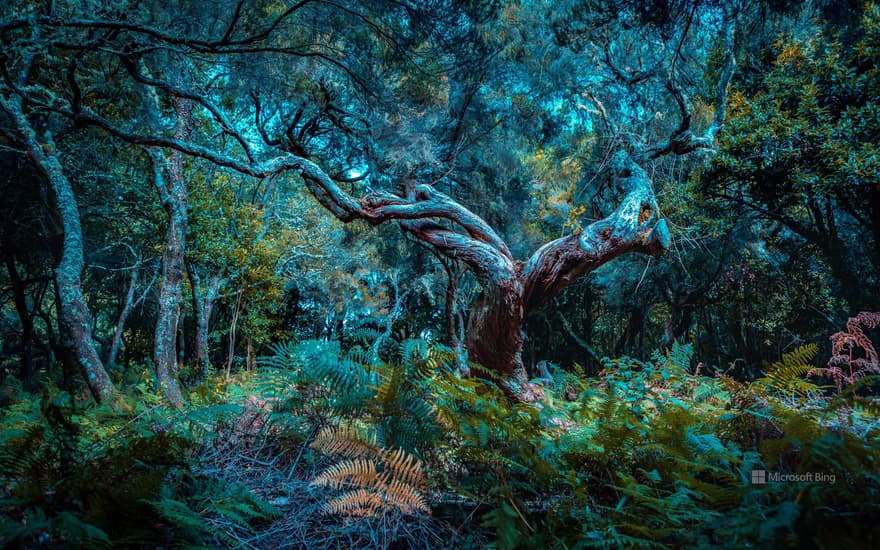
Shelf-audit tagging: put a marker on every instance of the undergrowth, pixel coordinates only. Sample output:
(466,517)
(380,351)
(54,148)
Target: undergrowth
(325,447)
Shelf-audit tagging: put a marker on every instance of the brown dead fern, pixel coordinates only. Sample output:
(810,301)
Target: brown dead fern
(379,478)
(346,441)
(845,367)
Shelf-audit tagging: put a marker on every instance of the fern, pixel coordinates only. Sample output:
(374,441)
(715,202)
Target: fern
(379,478)
(787,376)
(710,391)
(314,376)
(360,502)
(346,441)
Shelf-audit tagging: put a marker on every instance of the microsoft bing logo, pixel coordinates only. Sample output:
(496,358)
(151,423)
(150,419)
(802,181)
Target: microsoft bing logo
(762,477)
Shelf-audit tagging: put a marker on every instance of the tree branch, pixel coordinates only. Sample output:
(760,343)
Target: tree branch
(630,228)
(683,140)
(176,91)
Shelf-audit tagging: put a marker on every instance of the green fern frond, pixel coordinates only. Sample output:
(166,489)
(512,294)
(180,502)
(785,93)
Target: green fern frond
(413,349)
(708,391)
(360,356)
(364,335)
(679,356)
(787,376)
(284,356)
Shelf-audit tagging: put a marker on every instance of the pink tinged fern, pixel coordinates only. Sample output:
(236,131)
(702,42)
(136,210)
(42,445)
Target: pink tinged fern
(843,347)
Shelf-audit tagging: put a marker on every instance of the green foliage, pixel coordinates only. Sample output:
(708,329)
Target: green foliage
(800,147)
(787,376)
(100,476)
(315,378)
(653,456)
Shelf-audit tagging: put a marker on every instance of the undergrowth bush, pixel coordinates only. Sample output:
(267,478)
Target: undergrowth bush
(649,454)
(122,474)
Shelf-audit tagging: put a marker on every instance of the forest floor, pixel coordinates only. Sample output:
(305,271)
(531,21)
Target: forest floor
(253,457)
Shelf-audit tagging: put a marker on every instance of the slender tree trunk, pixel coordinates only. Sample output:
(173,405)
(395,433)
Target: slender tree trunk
(203,304)
(679,323)
(251,354)
(173,193)
(75,317)
(123,316)
(583,344)
(62,350)
(453,315)
(230,352)
(634,324)
(26,318)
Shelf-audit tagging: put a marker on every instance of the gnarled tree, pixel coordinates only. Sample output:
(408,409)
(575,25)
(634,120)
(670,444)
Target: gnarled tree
(511,288)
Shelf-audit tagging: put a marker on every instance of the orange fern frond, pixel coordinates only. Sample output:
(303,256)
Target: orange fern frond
(843,367)
(361,472)
(405,498)
(356,503)
(379,478)
(405,467)
(346,441)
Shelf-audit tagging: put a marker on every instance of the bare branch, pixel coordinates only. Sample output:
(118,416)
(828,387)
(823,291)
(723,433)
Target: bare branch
(683,140)
(177,91)
(624,77)
(232,23)
(489,265)
(430,203)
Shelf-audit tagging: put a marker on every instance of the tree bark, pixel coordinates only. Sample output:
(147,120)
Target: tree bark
(453,315)
(233,325)
(494,334)
(203,305)
(75,317)
(170,298)
(173,193)
(123,316)
(251,355)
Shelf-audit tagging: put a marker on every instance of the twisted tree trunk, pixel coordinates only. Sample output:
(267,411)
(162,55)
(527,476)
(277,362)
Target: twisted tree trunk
(74,316)
(513,290)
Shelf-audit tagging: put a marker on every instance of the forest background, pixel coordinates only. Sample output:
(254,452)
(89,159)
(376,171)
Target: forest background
(625,253)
